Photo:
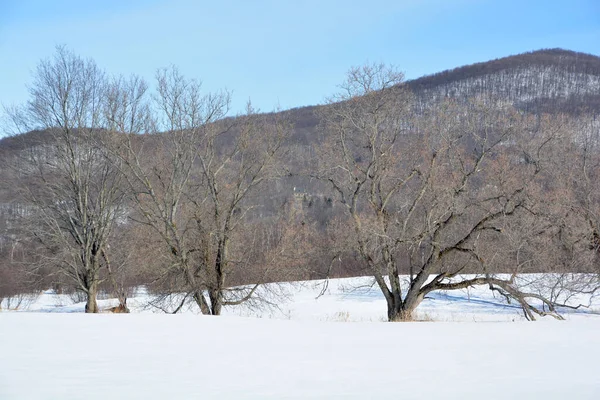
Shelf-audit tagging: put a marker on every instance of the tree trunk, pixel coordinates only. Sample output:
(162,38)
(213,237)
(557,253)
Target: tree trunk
(400,315)
(216,294)
(216,301)
(402,311)
(393,312)
(201,302)
(121,295)
(91,305)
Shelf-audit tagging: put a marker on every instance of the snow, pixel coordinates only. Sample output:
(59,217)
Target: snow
(153,356)
(344,300)
(299,350)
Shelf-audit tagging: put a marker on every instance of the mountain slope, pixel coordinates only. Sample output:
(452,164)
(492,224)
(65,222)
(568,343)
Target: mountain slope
(548,80)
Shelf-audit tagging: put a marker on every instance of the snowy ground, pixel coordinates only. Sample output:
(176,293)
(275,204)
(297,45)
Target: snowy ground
(300,351)
(342,300)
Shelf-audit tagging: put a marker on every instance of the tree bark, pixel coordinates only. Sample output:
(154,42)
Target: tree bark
(201,302)
(91,305)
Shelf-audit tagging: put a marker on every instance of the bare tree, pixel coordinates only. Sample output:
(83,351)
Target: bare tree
(15,282)
(70,180)
(568,203)
(196,193)
(432,195)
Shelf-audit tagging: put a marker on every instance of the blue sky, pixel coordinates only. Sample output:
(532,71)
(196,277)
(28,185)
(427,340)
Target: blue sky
(283,53)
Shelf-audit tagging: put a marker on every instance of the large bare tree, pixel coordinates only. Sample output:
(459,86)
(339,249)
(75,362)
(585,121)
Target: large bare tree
(69,179)
(194,184)
(433,196)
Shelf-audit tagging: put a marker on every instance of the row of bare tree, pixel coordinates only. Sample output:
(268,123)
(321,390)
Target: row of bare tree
(124,187)
(108,194)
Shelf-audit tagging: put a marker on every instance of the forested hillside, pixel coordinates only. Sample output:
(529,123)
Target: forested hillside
(550,80)
(543,81)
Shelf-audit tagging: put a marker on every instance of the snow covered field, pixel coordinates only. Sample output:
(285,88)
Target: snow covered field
(301,350)
(343,300)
